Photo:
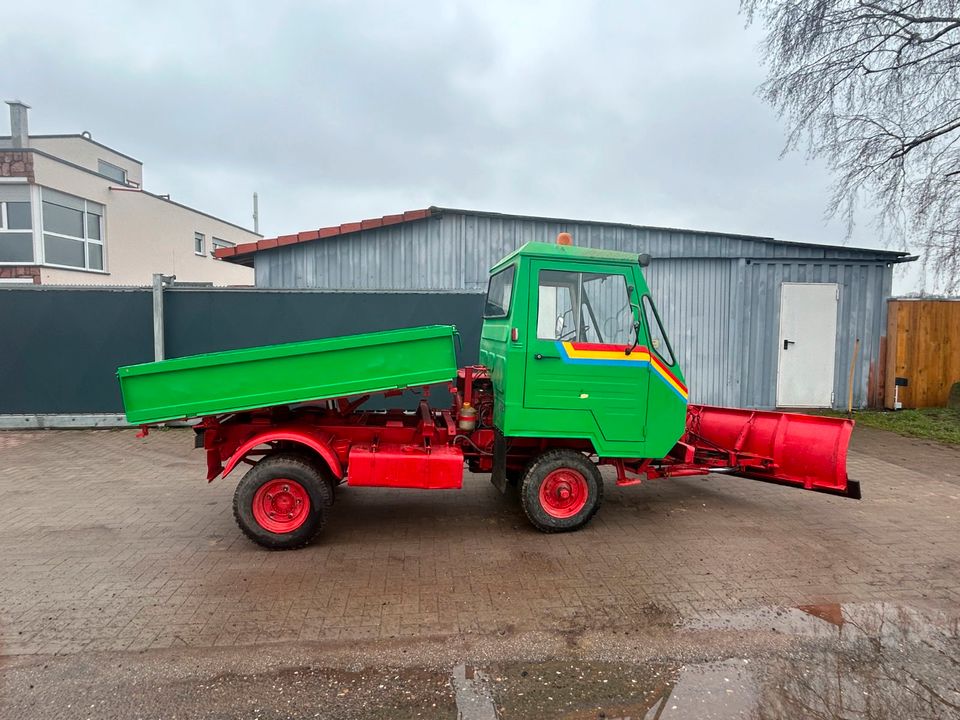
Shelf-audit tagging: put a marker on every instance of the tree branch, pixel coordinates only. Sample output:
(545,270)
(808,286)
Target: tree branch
(916,142)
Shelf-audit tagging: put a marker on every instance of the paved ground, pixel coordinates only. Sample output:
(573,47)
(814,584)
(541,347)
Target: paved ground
(115,551)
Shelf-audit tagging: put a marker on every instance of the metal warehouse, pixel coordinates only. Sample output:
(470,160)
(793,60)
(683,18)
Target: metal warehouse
(755,321)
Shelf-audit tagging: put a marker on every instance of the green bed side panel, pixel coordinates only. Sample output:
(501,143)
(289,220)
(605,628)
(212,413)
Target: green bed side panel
(259,377)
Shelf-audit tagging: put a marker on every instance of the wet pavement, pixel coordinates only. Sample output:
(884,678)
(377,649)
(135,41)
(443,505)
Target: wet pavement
(875,662)
(127,592)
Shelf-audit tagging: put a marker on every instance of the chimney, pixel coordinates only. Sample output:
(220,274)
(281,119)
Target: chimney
(19,134)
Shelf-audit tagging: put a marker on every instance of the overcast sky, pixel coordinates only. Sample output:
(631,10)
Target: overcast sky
(638,112)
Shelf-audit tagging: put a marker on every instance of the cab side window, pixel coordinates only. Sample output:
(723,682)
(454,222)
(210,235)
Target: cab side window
(557,311)
(499,292)
(605,295)
(658,338)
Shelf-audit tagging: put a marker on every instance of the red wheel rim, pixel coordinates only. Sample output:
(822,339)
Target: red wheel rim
(563,493)
(281,506)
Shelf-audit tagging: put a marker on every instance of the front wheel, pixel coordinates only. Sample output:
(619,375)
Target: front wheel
(561,491)
(282,502)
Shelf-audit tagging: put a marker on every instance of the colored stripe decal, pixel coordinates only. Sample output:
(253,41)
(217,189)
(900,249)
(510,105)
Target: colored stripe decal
(605,347)
(666,371)
(663,372)
(614,355)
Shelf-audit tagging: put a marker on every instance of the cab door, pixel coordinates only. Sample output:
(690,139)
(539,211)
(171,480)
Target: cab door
(584,359)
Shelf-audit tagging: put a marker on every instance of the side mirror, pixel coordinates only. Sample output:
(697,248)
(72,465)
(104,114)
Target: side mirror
(643,259)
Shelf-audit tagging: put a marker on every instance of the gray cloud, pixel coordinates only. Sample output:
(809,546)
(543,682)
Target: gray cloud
(634,112)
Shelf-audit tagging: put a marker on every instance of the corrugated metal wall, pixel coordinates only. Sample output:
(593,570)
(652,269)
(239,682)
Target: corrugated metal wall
(719,295)
(861,313)
(695,304)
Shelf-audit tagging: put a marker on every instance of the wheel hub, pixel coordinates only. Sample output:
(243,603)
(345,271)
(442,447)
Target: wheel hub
(563,493)
(281,505)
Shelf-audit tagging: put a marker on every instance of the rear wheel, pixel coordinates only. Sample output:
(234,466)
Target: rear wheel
(282,502)
(561,491)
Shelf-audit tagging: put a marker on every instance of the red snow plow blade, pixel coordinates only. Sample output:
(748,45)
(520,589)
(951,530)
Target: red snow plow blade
(808,451)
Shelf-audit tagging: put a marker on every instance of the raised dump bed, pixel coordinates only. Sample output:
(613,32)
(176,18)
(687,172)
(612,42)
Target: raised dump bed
(237,380)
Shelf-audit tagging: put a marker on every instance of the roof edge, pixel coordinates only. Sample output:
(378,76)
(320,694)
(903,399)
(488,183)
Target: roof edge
(81,136)
(242,254)
(113,186)
(663,228)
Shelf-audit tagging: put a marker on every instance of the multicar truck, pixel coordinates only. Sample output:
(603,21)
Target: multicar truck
(576,372)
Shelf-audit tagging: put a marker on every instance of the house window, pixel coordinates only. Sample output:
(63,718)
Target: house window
(199,243)
(72,231)
(112,171)
(218,243)
(16,232)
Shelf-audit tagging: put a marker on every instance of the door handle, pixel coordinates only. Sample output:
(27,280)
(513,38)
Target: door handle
(788,343)
(538,356)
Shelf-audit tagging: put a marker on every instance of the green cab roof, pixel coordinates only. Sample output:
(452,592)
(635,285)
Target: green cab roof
(566,252)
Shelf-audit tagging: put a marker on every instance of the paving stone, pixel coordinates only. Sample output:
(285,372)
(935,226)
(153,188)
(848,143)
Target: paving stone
(112,543)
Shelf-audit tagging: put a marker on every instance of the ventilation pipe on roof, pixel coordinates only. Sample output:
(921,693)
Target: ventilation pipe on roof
(19,132)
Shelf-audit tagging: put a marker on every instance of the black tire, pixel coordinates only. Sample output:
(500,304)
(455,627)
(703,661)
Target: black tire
(320,465)
(311,476)
(551,464)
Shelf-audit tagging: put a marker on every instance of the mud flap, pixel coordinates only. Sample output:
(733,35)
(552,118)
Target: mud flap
(499,475)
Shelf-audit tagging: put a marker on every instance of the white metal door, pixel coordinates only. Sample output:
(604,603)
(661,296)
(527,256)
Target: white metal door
(808,342)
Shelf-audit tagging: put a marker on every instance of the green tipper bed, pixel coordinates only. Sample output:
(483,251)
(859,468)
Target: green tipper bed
(259,377)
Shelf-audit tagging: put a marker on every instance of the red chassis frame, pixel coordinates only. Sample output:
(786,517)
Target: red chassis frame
(427,448)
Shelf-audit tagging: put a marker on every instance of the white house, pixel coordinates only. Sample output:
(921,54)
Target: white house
(74,211)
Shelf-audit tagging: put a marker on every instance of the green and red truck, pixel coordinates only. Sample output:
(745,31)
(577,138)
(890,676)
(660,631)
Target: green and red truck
(576,372)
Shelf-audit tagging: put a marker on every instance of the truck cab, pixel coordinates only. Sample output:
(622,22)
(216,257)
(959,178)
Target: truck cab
(576,350)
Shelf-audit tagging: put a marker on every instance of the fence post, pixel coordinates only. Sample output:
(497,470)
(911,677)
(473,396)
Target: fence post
(159,280)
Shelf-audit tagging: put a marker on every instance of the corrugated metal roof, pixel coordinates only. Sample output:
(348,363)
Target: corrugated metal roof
(243,254)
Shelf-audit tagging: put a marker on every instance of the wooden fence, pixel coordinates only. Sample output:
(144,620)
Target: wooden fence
(922,346)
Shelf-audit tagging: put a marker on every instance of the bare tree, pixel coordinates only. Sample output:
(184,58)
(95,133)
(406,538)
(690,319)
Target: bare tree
(872,87)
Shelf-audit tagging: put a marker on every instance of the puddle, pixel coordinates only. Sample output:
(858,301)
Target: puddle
(873,662)
(809,621)
(581,691)
(474,696)
(825,662)
(317,692)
